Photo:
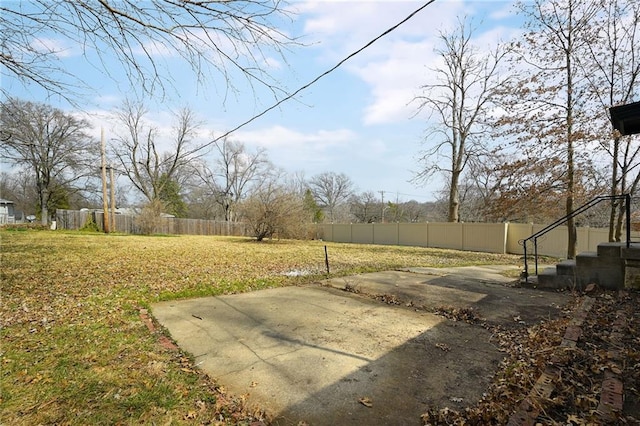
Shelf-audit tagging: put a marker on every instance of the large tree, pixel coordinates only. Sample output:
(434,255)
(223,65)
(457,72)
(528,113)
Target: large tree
(212,37)
(366,207)
(330,189)
(49,144)
(546,107)
(611,64)
(232,174)
(150,164)
(457,103)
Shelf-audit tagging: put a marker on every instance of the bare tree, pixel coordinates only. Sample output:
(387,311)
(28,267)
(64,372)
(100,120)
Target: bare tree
(275,209)
(611,65)
(330,190)
(19,187)
(366,207)
(201,202)
(418,212)
(140,154)
(232,174)
(480,188)
(466,84)
(297,181)
(213,37)
(547,104)
(50,144)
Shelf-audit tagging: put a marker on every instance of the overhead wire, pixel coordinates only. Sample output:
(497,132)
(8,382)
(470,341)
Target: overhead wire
(324,74)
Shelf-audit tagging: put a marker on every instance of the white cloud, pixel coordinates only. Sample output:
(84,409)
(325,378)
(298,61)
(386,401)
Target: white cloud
(272,63)
(505,12)
(156,49)
(57,47)
(397,65)
(394,66)
(279,137)
(314,151)
(395,81)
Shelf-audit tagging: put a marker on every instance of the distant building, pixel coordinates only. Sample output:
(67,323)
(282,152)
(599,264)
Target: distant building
(7,214)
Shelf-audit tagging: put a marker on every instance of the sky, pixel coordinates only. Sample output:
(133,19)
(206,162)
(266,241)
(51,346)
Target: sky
(360,120)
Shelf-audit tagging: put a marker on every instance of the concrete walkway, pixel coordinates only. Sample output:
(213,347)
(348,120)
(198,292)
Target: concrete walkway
(326,356)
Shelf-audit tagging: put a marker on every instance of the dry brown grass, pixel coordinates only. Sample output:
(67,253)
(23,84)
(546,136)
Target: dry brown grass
(75,351)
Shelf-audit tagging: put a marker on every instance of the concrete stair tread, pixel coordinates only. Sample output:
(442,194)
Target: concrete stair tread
(610,249)
(587,254)
(566,267)
(548,272)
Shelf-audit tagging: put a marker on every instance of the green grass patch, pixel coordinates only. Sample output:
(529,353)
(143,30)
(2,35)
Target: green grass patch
(75,351)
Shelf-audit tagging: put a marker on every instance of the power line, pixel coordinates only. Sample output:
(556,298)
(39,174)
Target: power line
(413,196)
(329,71)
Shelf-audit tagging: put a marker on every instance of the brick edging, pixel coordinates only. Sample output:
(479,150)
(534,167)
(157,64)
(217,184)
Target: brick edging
(163,340)
(530,407)
(612,390)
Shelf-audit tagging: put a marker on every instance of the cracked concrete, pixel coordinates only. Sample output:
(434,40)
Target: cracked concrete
(326,356)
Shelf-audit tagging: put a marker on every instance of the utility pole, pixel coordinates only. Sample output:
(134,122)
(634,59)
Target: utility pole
(382,196)
(105,199)
(112,188)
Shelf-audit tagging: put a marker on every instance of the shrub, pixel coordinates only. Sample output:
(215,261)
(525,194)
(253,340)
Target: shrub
(149,218)
(276,212)
(90,225)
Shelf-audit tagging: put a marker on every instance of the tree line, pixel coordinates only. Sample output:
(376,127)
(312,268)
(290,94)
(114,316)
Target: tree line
(521,130)
(57,165)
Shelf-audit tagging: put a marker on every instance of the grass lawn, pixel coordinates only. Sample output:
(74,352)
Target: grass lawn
(74,349)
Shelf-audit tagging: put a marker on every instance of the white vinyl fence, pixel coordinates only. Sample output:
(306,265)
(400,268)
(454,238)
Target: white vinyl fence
(484,237)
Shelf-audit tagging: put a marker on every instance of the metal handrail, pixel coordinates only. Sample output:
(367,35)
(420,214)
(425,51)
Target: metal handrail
(591,203)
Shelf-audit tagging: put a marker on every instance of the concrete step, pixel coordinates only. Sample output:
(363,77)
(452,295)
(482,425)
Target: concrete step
(633,252)
(566,267)
(610,249)
(605,267)
(592,260)
(549,278)
(631,258)
(605,271)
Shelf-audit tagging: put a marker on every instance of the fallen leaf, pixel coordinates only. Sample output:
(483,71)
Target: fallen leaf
(190,415)
(572,419)
(366,402)
(443,346)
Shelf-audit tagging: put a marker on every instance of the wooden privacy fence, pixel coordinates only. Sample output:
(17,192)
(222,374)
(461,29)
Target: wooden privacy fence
(128,224)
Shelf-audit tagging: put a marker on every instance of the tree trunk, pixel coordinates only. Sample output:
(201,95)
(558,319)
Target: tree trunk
(620,220)
(571,227)
(454,198)
(44,210)
(614,189)
(573,237)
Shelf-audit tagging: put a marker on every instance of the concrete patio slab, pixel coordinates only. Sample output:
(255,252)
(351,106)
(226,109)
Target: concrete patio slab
(325,356)
(484,288)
